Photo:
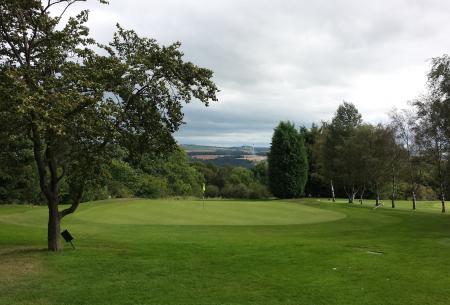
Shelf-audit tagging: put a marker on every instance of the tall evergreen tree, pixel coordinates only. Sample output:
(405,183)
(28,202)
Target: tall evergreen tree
(288,163)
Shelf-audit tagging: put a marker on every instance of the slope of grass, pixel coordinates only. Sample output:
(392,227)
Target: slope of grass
(231,252)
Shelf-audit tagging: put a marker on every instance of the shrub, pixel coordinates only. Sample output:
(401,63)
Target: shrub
(212,191)
(152,187)
(258,191)
(235,191)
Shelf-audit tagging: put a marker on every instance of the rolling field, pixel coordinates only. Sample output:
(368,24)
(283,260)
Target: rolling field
(229,252)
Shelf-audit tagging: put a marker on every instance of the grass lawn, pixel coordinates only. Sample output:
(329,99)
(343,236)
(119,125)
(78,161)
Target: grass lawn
(230,252)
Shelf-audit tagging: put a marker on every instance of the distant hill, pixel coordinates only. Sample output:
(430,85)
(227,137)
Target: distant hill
(245,156)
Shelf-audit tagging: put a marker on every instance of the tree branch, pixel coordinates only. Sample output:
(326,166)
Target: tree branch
(37,147)
(8,39)
(73,207)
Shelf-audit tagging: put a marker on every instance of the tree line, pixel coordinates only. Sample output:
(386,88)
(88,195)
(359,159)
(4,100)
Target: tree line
(149,176)
(405,158)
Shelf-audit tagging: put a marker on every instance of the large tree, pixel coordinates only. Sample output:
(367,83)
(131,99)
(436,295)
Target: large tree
(288,164)
(76,100)
(382,163)
(337,156)
(404,124)
(433,128)
(433,142)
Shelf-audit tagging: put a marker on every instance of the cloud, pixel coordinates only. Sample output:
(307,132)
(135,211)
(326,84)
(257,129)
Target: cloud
(290,60)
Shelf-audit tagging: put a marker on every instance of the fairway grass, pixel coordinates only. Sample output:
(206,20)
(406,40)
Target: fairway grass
(134,251)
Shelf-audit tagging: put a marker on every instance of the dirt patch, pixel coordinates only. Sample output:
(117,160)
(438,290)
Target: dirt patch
(18,263)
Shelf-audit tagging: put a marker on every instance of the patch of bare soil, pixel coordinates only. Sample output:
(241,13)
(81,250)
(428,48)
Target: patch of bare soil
(18,263)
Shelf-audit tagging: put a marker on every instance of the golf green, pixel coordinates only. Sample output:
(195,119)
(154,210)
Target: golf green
(219,212)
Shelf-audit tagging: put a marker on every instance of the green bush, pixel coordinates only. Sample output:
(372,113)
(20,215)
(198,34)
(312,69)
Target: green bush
(93,193)
(236,191)
(258,191)
(212,191)
(152,187)
(119,190)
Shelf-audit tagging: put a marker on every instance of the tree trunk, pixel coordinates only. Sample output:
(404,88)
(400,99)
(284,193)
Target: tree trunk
(54,221)
(414,200)
(332,192)
(349,194)
(362,195)
(443,202)
(393,189)
(377,201)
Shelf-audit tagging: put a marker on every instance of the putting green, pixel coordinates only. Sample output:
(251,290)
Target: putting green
(220,212)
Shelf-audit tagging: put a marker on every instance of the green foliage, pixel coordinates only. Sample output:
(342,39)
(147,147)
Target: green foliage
(18,179)
(182,179)
(346,118)
(260,171)
(232,182)
(124,179)
(153,187)
(240,175)
(288,164)
(433,124)
(80,102)
(316,185)
(258,191)
(239,190)
(212,191)
(337,154)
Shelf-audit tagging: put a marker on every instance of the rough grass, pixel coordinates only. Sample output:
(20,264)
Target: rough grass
(231,252)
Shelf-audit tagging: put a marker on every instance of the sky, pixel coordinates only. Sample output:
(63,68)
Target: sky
(291,60)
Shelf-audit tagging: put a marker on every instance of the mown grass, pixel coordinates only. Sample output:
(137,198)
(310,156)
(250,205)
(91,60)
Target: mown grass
(231,252)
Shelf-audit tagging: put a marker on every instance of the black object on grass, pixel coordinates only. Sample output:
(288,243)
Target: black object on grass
(68,237)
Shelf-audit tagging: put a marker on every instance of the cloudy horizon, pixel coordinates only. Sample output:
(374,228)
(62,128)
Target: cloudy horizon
(289,60)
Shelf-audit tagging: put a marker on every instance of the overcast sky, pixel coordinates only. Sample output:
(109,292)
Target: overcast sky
(290,60)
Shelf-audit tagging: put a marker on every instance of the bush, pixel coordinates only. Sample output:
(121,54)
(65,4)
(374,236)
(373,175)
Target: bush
(235,191)
(118,190)
(258,191)
(240,175)
(212,191)
(92,193)
(152,187)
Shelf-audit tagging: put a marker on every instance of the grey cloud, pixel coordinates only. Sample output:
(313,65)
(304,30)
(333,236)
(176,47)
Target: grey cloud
(290,60)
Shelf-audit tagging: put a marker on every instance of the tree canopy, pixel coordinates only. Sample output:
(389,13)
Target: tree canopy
(76,100)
